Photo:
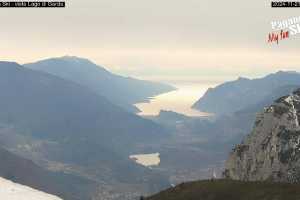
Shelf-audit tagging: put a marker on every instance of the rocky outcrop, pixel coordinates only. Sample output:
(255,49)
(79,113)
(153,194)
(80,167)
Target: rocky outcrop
(272,150)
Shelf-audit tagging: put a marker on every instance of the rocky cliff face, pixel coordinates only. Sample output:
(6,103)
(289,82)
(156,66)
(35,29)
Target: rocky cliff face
(272,150)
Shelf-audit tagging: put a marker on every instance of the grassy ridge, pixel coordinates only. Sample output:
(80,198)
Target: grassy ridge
(230,190)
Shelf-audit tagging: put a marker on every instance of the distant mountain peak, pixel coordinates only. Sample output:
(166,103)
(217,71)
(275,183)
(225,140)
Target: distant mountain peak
(122,91)
(287,72)
(237,95)
(9,63)
(240,78)
(10,66)
(74,59)
(71,59)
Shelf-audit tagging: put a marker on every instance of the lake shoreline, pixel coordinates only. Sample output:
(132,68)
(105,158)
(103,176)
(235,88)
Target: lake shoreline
(179,100)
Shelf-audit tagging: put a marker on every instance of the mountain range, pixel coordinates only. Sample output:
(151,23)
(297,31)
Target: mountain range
(66,127)
(122,91)
(237,95)
(61,124)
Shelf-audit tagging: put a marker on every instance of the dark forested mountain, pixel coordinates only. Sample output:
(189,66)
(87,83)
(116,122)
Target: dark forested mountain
(123,91)
(237,95)
(67,127)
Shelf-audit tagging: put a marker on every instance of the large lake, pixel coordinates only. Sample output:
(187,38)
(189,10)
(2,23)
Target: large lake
(179,101)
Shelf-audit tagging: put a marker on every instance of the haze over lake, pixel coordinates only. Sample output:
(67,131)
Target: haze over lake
(179,100)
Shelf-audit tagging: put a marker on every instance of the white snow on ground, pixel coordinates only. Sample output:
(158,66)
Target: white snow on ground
(288,99)
(146,160)
(14,191)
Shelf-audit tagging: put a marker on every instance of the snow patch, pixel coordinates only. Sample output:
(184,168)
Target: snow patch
(14,191)
(288,99)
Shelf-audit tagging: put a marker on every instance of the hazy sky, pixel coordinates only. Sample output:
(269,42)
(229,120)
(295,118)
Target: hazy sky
(156,39)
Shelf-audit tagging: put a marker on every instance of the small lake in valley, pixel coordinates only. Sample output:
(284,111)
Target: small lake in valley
(146,160)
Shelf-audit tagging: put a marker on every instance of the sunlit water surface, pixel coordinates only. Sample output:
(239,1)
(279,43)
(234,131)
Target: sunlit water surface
(146,160)
(179,101)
